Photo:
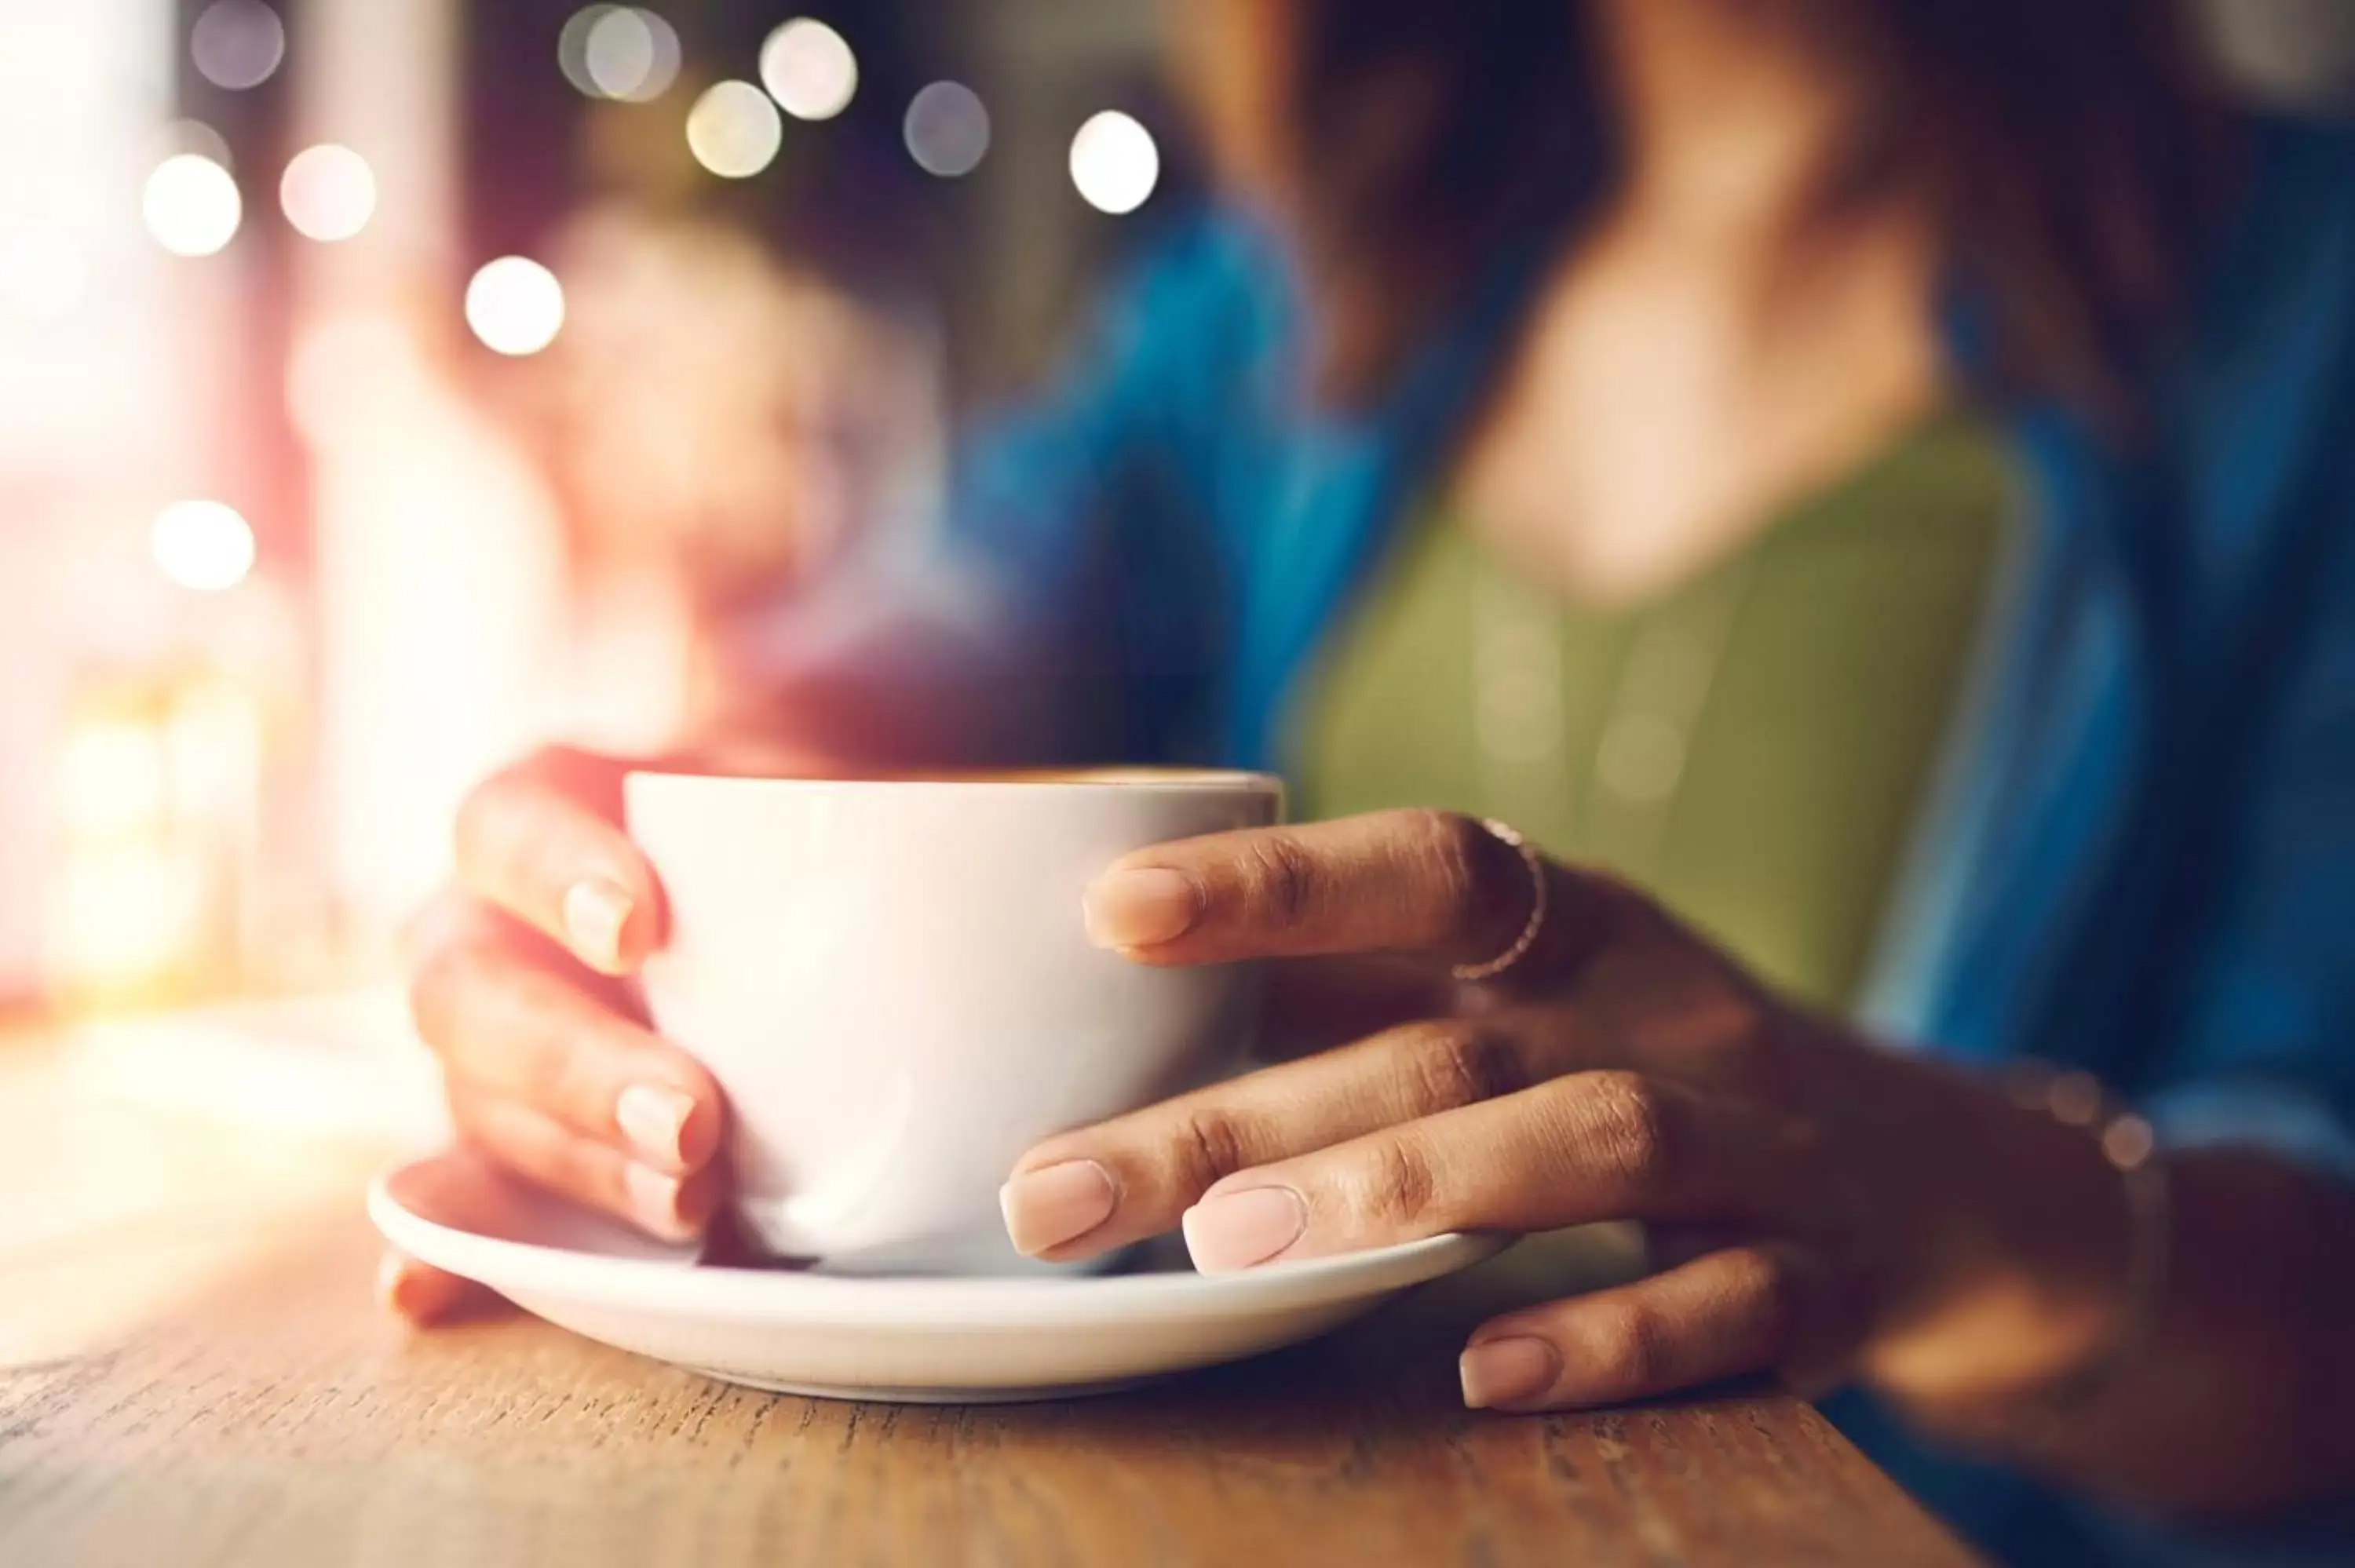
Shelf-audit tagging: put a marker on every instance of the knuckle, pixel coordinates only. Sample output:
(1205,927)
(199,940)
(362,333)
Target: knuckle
(592,1172)
(1776,1291)
(1627,1345)
(466,1119)
(575,1092)
(498,837)
(1456,1063)
(560,1073)
(1451,845)
(438,990)
(1396,1188)
(480,817)
(1280,880)
(481,1123)
(1209,1146)
(529,1144)
(548,762)
(446,918)
(1634,1124)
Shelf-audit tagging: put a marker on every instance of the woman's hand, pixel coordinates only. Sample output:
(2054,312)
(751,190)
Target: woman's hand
(520,987)
(1821,1207)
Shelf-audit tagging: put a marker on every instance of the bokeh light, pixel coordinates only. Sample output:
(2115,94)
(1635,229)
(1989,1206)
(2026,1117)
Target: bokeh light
(572,48)
(191,205)
(629,53)
(237,44)
(515,305)
(177,136)
(622,52)
(809,69)
(734,130)
(202,545)
(948,129)
(328,193)
(42,272)
(1115,162)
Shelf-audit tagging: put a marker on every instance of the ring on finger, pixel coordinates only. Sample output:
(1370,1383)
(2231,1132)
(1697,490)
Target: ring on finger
(1521,944)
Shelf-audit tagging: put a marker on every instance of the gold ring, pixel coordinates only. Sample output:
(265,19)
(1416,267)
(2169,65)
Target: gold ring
(1537,901)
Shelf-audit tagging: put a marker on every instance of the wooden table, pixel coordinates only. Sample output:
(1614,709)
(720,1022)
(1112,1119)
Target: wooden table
(196,1375)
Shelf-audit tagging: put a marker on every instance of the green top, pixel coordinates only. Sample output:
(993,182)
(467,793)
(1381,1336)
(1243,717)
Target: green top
(1751,747)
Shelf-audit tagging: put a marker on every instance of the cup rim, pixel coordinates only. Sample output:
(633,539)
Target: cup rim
(1135,779)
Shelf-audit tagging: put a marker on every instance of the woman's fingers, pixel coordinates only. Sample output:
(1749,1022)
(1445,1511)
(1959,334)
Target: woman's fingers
(1081,1193)
(1593,1146)
(423,1294)
(1720,1315)
(541,841)
(1429,883)
(508,1024)
(663,1203)
(1667,1246)
(1317,1004)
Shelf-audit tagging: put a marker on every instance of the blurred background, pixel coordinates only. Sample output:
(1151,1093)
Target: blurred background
(388,385)
(385,389)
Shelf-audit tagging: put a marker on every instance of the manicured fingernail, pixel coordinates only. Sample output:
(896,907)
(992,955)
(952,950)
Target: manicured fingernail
(595,910)
(1507,1371)
(653,1117)
(1235,1230)
(405,1286)
(1057,1204)
(654,1202)
(391,1269)
(1138,908)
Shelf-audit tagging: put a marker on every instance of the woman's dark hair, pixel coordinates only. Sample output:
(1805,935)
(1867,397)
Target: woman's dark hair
(2065,143)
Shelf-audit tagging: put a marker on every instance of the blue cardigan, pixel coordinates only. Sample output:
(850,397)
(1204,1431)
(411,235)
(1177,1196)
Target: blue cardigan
(2143,856)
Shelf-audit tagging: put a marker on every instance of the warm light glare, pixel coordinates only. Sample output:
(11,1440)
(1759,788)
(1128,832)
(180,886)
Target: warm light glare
(348,376)
(629,53)
(329,192)
(111,779)
(1114,164)
(213,746)
(948,129)
(237,44)
(191,205)
(125,914)
(42,273)
(809,69)
(202,545)
(733,130)
(515,305)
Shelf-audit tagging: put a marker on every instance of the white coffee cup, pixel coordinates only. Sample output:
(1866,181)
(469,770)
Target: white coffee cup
(892,982)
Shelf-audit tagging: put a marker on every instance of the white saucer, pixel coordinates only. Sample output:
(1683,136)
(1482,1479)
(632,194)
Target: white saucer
(936,1340)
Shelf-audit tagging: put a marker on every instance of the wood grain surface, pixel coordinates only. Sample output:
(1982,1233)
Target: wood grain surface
(265,1412)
